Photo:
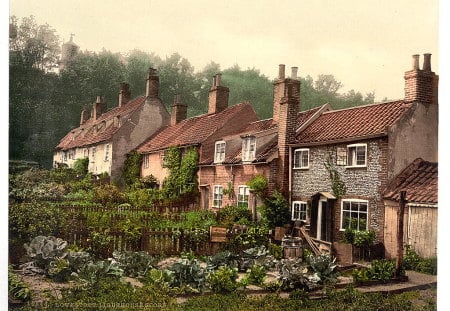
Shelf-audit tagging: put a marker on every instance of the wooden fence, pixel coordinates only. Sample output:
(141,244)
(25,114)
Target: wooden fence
(167,241)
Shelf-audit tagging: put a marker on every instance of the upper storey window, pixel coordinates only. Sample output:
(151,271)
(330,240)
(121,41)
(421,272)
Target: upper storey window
(248,148)
(357,155)
(219,154)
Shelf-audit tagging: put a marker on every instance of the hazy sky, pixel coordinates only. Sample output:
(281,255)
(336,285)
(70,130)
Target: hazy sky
(367,45)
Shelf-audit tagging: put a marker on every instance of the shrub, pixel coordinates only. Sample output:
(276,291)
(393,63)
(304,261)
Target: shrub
(62,175)
(28,220)
(80,166)
(256,275)
(108,195)
(223,280)
(276,210)
(229,215)
(276,251)
(380,270)
(412,261)
(259,185)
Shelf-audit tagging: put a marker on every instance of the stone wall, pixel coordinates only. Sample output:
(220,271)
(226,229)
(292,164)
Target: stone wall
(366,183)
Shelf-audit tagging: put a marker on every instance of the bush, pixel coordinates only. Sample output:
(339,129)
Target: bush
(412,261)
(256,275)
(259,185)
(380,270)
(80,166)
(223,280)
(229,215)
(108,195)
(276,210)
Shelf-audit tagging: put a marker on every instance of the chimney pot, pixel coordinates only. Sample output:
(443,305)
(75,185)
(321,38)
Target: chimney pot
(124,93)
(294,73)
(281,71)
(218,79)
(416,61)
(427,62)
(98,99)
(152,83)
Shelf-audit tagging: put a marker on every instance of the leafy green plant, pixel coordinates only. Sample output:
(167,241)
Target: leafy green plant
(59,270)
(256,256)
(43,250)
(259,185)
(194,237)
(380,270)
(225,258)
(293,274)
(135,264)
(412,261)
(276,210)
(93,272)
(337,184)
(223,280)
(276,251)
(80,166)
(188,274)
(108,195)
(229,215)
(131,169)
(324,267)
(17,288)
(256,274)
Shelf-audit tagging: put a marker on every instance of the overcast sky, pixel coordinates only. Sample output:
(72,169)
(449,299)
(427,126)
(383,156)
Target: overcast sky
(367,45)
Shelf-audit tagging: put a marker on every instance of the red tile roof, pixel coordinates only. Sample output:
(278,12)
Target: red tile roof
(357,122)
(264,127)
(197,129)
(88,134)
(419,180)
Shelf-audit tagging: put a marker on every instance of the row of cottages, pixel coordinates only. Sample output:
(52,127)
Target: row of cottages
(106,137)
(233,144)
(344,161)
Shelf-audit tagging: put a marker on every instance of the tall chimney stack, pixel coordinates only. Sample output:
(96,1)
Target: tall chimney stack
(287,125)
(421,84)
(99,108)
(218,96)
(124,94)
(280,89)
(179,111)
(84,115)
(152,83)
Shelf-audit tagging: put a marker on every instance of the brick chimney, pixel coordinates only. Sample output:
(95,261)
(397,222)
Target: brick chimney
(84,115)
(280,88)
(98,108)
(421,85)
(218,96)
(124,94)
(179,111)
(152,83)
(287,121)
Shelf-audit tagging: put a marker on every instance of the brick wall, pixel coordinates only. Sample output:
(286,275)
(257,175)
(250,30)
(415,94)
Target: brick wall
(362,183)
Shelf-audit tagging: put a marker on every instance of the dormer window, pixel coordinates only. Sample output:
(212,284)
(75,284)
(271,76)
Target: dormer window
(357,155)
(248,148)
(219,154)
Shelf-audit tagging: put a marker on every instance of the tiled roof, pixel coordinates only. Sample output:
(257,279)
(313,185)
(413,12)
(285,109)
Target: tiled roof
(266,128)
(356,122)
(195,130)
(89,133)
(419,180)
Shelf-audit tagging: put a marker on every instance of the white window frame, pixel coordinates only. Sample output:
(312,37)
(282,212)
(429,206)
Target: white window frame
(217,196)
(299,208)
(355,210)
(243,196)
(248,148)
(298,157)
(107,148)
(219,151)
(146,160)
(341,156)
(94,150)
(354,153)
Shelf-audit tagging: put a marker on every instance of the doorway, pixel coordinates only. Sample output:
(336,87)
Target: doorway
(322,220)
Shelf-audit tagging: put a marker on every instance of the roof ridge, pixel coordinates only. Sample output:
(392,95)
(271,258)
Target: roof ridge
(367,105)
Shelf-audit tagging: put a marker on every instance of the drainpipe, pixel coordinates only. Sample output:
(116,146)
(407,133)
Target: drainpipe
(290,177)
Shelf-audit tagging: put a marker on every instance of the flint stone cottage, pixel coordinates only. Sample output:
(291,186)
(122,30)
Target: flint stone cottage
(363,148)
(106,137)
(260,148)
(199,132)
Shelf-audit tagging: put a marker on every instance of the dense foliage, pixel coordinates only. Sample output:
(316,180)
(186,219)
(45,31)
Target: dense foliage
(44,105)
(412,261)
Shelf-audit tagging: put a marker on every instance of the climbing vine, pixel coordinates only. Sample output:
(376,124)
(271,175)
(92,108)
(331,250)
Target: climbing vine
(337,185)
(131,169)
(182,178)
